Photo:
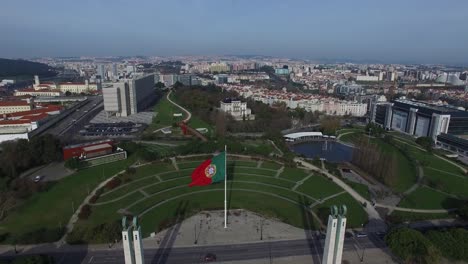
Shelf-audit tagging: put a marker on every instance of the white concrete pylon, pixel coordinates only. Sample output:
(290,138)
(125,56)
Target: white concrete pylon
(329,249)
(138,246)
(128,246)
(340,236)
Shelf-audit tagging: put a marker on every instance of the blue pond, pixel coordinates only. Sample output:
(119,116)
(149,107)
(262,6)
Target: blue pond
(331,151)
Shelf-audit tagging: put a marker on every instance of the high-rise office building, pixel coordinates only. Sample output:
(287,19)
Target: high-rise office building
(101,71)
(129,96)
(115,73)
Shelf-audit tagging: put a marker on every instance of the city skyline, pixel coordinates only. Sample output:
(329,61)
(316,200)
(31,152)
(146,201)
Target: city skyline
(400,32)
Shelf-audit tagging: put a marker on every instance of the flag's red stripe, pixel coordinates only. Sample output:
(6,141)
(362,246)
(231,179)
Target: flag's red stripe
(198,175)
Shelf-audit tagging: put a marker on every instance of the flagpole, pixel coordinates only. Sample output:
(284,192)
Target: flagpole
(225,187)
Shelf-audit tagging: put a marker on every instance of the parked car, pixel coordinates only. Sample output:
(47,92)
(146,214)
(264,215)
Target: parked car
(361,234)
(210,257)
(38,178)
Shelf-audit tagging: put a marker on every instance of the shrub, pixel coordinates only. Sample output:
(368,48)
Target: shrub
(93,198)
(72,163)
(113,183)
(41,235)
(85,212)
(99,234)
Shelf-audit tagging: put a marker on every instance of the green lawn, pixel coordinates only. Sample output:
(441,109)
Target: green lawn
(362,189)
(400,216)
(258,185)
(407,175)
(126,188)
(188,164)
(447,182)
(319,187)
(53,208)
(249,188)
(252,171)
(351,137)
(347,130)
(294,174)
(153,169)
(165,111)
(356,216)
(426,198)
(271,165)
(264,179)
(163,151)
(267,205)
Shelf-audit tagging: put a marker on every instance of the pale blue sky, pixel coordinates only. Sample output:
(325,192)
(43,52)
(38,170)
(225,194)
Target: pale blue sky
(426,31)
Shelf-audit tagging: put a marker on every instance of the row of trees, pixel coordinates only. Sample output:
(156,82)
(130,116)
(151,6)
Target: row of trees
(372,159)
(21,155)
(413,246)
(17,157)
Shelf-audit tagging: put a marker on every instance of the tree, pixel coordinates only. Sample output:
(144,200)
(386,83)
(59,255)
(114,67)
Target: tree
(453,243)
(329,125)
(425,142)
(67,93)
(178,85)
(412,246)
(160,85)
(72,163)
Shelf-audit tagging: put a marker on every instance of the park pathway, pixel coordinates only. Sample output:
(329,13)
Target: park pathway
(189,115)
(440,157)
(418,182)
(74,217)
(371,212)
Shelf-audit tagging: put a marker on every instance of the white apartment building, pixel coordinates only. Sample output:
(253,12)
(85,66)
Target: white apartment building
(365,78)
(72,87)
(237,109)
(42,92)
(7,107)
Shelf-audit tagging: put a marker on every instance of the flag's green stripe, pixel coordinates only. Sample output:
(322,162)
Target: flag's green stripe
(219,162)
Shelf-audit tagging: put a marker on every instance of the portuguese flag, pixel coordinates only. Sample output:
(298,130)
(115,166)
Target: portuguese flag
(210,171)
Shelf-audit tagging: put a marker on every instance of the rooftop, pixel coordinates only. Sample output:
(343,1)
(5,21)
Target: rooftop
(14,103)
(445,109)
(303,134)
(109,141)
(97,147)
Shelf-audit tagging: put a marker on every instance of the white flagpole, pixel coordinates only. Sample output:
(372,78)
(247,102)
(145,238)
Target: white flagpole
(225,186)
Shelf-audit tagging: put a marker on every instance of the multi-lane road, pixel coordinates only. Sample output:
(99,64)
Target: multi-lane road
(194,254)
(78,118)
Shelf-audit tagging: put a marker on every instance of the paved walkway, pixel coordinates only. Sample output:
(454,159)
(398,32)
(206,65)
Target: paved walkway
(74,217)
(276,147)
(427,211)
(418,182)
(440,157)
(278,172)
(299,183)
(189,115)
(371,212)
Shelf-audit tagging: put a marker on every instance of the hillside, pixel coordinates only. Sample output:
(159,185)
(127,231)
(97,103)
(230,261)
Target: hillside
(23,67)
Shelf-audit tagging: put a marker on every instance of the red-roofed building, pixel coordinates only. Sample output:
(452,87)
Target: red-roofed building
(41,92)
(14,106)
(88,150)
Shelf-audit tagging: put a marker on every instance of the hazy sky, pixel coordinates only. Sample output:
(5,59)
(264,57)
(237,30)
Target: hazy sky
(426,31)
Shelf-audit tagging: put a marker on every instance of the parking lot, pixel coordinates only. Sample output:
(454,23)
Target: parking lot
(105,129)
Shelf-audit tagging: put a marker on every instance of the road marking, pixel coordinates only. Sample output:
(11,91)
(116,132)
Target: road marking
(91,259)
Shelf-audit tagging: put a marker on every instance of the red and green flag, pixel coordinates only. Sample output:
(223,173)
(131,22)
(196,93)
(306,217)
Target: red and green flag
(210,171)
